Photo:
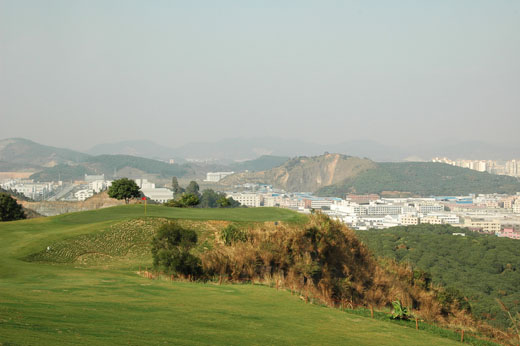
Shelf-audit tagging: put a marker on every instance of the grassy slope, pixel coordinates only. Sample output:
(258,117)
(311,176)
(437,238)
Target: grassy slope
(71,304)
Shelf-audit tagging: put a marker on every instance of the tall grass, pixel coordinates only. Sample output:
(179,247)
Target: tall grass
(323,261)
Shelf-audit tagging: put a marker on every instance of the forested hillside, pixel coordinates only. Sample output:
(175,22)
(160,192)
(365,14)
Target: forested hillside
(422,179)
(108,164)
(481,267)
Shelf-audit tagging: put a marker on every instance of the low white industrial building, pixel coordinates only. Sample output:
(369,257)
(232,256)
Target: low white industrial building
(160,194)
(217,176)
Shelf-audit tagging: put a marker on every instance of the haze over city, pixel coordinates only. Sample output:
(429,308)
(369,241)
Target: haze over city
(76,74)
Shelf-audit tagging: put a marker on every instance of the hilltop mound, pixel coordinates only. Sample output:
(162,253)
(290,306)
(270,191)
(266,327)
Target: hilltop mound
(306,173)
(84,266)
(322,259)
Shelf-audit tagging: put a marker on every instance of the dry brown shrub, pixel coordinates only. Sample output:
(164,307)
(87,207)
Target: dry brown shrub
(324,261)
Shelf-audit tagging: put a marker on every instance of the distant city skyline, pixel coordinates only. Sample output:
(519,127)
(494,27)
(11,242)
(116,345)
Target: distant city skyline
(77,74)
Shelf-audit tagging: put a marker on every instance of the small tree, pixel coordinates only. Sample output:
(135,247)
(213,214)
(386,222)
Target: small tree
(193,188)
(10,210)
(171,250)
(124,188)
(400,312)
(177,189)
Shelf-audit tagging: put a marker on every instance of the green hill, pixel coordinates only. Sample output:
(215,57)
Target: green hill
(337,175)
(422,179)
(72,279)
(52,163)
(108,164)
(22,153)
(481,267)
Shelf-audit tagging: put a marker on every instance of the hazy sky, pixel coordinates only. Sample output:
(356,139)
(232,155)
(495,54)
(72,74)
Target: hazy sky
(79,73)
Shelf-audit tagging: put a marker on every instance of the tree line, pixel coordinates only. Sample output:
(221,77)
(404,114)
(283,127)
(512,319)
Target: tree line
(188,197)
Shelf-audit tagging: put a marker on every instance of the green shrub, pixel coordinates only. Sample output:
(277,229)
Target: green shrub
(171,251)
(399,311)
(232,234)
(185,201)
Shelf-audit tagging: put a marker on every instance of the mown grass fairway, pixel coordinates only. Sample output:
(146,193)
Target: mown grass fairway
(51,304)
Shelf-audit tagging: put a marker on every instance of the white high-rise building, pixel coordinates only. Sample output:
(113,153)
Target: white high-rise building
(516,206)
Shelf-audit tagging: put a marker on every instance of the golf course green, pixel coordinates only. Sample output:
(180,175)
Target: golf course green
(65,301)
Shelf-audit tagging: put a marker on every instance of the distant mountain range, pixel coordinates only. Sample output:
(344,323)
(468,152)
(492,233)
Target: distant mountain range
(52,164)
(140,148)
(20,152)
(327,174)
(239,149)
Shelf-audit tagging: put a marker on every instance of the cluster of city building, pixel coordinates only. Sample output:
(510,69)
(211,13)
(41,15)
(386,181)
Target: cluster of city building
(487,213)
(76,191)
(492,214)
(91,185)
(29,188)
(511,167)
(79,190)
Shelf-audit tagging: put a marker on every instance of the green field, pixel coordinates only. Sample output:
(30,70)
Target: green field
(50,303)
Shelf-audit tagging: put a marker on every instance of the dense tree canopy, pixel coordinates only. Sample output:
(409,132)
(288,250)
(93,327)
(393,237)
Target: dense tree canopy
(209,199)
(124,188)
(481,267)
(10,210)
